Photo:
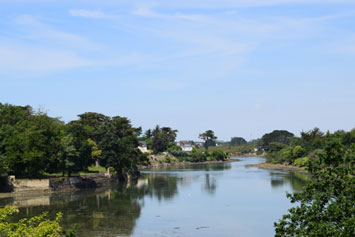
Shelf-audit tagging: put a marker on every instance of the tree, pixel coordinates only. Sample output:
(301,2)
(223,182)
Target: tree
(119,145)
(280,136)
(31,145)
(312,139)
(161,137)
(237,141)
(95,151)
(68,155)
(3,173)
(327,204)
(209,138)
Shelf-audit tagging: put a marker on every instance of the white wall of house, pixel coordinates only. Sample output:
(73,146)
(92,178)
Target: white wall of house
(143,149)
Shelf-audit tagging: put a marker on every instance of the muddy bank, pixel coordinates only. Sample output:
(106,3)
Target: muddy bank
(281,167)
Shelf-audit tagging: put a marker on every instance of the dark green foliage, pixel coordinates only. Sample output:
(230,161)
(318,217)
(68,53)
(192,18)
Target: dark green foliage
(279,136)
(327,204)
(3,173)
(119,145)
(209,138)
(32,144)
(198,156)
(161,138)
(237,141)
(309,145)
(218,155)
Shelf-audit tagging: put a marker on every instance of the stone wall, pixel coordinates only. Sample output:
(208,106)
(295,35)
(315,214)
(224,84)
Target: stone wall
(62,183)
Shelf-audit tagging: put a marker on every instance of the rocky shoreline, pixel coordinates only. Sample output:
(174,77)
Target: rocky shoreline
(60,184)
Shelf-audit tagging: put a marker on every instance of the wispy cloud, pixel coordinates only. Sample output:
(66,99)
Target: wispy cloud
(95,14)
(222,4)
(33,28)
(22,59)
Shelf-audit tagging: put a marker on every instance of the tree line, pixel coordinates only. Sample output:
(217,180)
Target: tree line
(33,144)
(286,148)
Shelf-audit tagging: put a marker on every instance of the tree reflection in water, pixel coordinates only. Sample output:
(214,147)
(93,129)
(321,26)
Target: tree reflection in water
(210,184)
(294,179)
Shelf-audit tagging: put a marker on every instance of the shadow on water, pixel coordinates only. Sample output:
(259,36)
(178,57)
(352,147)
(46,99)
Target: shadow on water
(210,184)
(106,211)
(296,180)
(115,210)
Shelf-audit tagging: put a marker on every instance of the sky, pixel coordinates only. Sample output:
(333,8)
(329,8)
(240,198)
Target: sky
(238,67)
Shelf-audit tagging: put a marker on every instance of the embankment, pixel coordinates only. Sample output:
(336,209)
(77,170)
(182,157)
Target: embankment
(281,167)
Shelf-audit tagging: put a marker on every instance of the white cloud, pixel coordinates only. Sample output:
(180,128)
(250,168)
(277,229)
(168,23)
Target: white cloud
(147,12)
(220,4)
(34,29)
(97,14)
(22,59)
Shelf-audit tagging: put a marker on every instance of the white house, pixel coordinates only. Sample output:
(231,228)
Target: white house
(185,146)
(143,146)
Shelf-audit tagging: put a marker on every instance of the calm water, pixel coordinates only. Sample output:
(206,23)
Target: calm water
(226,199)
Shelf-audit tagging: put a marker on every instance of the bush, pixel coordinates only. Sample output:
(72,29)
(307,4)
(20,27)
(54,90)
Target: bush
(35,226)
(167,159)
(179,153)
(219,155)
(198,156)
(301,161)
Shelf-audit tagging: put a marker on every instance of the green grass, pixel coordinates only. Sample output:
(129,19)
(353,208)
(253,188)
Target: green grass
(91,170)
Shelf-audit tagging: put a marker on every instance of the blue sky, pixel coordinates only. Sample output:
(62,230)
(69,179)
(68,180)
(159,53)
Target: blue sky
(240,68)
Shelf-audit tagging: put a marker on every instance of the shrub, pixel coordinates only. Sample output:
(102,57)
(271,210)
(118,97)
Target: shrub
(167,159)
(198,156)
(219,155)
(35,226)
(301,161)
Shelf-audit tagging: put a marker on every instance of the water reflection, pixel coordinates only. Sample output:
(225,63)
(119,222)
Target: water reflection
(296,180)
(118,210)
(161,186)
(210,184)
(220,166)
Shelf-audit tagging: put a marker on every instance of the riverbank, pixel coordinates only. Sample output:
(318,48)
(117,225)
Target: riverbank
(60,184)
(156,165)
(280,167)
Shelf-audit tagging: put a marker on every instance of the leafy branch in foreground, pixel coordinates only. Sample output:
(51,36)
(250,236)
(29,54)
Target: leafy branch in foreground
(35,226)
(327,204)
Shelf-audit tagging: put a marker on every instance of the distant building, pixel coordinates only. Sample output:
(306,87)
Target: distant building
(199,144)
(185,145)
(143,146)
(264,148)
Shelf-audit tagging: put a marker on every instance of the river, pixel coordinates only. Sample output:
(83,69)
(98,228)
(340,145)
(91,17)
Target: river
(223,199)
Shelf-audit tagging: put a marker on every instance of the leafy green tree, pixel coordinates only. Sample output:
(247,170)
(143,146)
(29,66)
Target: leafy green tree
(209,138)
(3,173)
(327,204)
(161,137)
(31,145)
(68,155)
(312,139)
(279,136)
(95,151)
(119,145)
(237,141)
